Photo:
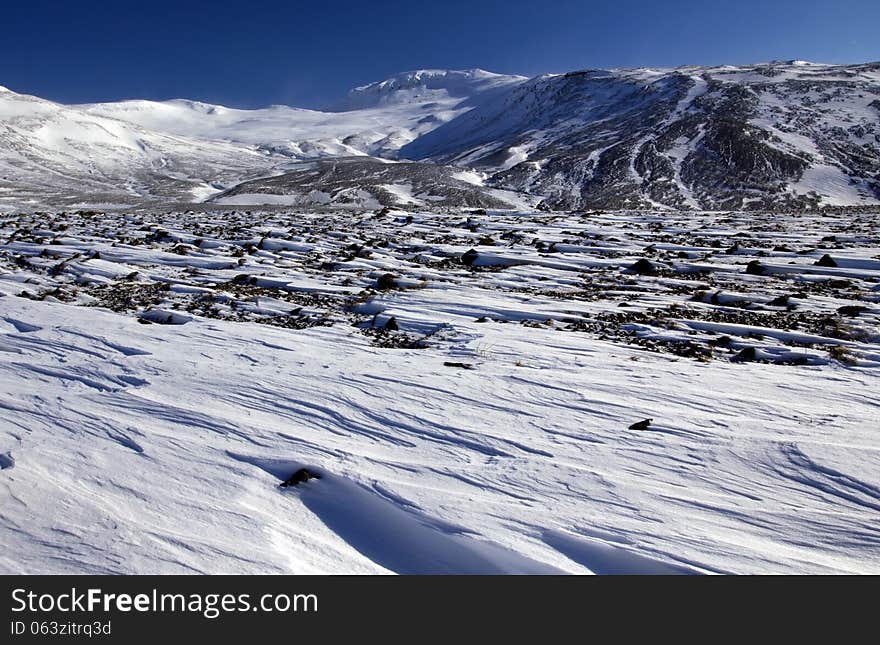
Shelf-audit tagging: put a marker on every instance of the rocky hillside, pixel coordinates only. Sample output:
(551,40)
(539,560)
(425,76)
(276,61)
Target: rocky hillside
(366,182)
(780,135)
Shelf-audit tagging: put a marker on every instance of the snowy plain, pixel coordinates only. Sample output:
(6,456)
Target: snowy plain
(161,374)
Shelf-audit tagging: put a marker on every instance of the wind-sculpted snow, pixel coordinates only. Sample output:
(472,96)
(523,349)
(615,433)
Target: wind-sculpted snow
(464,384)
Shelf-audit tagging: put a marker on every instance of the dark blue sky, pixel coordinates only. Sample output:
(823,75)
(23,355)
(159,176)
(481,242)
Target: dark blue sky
(255,53)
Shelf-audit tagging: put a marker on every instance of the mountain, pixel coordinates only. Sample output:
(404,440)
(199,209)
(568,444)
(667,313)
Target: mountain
(57,155)
(779,135)
(376,119)
(429,86)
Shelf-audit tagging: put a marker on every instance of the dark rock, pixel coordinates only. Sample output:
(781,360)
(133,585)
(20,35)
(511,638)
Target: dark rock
(852,310)
(386,281)
(465,366)
(469,257)
(641,425)
(755,268)
(826,261)
(779,301)
(244,278)
(644,267)
(300,476)
(745,355)
(391,324)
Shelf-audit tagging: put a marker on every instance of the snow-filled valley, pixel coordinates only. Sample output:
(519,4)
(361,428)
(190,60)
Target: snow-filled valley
(463,383)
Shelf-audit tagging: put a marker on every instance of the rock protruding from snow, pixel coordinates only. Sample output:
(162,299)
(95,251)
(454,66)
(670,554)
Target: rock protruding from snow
(299,477)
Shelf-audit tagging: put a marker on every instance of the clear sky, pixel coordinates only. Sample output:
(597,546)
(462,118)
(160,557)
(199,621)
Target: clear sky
(253,53)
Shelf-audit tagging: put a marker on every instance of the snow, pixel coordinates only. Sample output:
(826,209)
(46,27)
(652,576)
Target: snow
(470,177)
(833,184)
(261,198)
(158,448)
(403,194)
(205,191)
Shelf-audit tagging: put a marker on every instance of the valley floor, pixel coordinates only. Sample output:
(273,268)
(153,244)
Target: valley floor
(464,383)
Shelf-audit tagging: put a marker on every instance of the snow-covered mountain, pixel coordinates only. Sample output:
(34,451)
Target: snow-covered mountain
(52,154)
(131,151)
(430,86)
(777,135)
(782,135)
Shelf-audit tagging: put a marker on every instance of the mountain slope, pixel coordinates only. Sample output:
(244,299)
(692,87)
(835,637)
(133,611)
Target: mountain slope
(291,132)
(777,135)
(375,119)
(58,155)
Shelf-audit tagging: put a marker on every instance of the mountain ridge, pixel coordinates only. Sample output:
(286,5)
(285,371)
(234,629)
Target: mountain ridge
(778,135)
(692,137)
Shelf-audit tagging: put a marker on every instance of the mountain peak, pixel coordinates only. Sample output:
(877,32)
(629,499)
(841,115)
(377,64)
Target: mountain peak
(431,76)
(426,86)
